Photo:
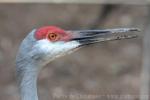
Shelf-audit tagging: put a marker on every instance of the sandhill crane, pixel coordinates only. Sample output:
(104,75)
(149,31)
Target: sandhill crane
(44,44)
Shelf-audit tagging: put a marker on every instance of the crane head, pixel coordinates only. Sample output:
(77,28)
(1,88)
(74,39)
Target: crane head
(42,45)
(47,43)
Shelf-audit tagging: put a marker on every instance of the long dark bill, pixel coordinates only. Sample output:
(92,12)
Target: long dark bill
(86,37)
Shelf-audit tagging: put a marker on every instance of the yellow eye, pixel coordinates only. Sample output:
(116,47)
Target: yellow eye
(53,36)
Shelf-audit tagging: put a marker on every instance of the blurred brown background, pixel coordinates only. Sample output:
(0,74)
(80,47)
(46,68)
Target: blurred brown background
(106,68)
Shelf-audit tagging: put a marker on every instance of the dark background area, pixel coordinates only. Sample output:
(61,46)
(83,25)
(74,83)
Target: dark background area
(112,67)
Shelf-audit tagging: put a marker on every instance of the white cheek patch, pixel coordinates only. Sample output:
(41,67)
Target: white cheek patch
(52,50)
(65,48)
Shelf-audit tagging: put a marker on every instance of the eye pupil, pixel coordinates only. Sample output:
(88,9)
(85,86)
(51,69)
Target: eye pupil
(53,35)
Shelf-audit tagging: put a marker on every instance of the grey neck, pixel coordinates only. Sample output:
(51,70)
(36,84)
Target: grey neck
(28,84)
